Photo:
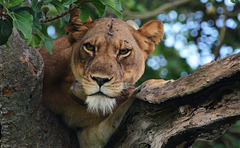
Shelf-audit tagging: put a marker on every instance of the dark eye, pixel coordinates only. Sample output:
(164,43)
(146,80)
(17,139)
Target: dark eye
(88,47)
(124,51)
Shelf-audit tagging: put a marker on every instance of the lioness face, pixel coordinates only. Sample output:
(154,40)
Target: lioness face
(107,60)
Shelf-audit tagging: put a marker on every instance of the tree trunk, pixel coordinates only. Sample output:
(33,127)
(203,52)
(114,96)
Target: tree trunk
(198,106)
(24,121)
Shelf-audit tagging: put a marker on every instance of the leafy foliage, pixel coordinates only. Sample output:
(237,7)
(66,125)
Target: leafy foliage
(100,7)
(27,19)
(84,12)
(5,29)
(23,21)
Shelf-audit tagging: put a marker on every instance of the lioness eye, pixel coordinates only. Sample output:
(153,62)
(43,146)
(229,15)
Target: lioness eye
(124,51)
(89,47)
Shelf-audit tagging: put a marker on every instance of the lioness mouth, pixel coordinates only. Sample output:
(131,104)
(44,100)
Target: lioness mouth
(100,104)
(101,94)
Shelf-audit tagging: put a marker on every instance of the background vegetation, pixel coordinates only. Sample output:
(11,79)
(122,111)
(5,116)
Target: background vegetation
(196,32)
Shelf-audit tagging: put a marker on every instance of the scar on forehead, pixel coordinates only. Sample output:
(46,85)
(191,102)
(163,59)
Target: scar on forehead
(110,28)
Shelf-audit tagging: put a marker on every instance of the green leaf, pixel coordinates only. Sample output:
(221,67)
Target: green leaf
(115,5)
(5,30)
(28,9)
(64,20)
(58,6)
(99,6)
(23,21)
(12,3)
(118,5)
(36,23)
(233,1)
(84,12)
(34,40)
(2,3)
(68,2)
(40,34)
(45,2)
(36,5)
(118,8)
(109,3)
(48,44)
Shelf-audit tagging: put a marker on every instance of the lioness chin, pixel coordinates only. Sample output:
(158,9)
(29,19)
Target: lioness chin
(92,72)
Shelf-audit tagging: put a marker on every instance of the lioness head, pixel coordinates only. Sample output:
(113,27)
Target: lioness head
(108,57)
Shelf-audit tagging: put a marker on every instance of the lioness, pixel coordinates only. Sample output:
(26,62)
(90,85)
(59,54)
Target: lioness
(90,76)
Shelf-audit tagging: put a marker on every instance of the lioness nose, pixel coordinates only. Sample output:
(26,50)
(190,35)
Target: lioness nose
(100,81)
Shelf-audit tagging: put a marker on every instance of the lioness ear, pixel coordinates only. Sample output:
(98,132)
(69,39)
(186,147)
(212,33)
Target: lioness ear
(75,28)
(153,32)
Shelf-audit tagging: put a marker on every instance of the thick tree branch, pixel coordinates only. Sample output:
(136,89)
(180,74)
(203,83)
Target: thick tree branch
(198,106)
(135,15)
(24,120)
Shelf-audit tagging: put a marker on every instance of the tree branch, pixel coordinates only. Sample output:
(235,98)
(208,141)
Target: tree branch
(198,106)
(64,13)
(136,15)
(232,14)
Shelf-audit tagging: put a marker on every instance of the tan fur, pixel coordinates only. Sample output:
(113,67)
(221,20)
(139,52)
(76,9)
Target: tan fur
(71,61)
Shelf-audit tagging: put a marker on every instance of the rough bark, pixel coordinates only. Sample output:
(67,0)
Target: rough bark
(198,106)
(195,107)
(24,121)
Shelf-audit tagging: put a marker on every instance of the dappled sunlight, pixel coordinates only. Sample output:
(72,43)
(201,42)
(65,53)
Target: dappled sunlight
(194,37)
(51,31)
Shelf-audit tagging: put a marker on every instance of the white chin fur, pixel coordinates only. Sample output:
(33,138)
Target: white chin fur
(100,104)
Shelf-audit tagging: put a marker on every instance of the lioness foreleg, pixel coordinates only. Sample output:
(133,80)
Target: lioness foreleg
(97,136)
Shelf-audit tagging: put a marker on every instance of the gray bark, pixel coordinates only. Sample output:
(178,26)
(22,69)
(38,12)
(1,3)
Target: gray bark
(24,121)
(198,106)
